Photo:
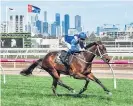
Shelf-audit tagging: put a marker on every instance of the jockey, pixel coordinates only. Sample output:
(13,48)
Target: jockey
(76,45)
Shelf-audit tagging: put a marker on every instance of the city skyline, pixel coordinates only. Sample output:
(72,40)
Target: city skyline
(93,14)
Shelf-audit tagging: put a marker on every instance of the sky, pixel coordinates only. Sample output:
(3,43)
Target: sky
(93,13)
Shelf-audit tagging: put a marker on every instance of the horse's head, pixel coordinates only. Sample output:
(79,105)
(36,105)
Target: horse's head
(98,49)
(102,52)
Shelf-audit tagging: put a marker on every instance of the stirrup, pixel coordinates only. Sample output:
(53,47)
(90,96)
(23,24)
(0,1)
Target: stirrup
(67,68)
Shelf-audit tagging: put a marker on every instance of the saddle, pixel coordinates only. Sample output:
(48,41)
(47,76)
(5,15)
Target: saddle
(64,57)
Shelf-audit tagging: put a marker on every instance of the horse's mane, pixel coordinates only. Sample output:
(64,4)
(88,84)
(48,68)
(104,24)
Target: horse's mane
(99,42)
(90,45)
(93,43)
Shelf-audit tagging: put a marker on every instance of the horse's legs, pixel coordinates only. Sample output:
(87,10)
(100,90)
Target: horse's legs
(57,80)
(81,76)
(85,87)
(93,78)
(54,85)
(55,76)
(65,86)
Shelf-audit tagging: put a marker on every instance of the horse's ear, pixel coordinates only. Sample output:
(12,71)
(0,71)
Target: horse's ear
(99,42)
(95,43)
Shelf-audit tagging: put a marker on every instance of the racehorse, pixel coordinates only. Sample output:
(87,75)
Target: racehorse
(80,66)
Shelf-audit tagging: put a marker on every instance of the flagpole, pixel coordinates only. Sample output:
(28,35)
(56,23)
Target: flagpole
(27,20)
(6,19)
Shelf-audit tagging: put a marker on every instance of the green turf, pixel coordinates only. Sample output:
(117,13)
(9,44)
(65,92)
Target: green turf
(36,91)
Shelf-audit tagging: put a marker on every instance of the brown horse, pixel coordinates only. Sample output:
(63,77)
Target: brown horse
(80,66)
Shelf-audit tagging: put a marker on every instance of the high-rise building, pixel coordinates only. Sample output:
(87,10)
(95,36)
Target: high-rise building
(66,20)
(4,27)
(98,30)
(49,29)
(58,31)
(28,27)
(32,19)
(33,23)
(39,26)
(78,23)
(36,17)
(16,23)
(57,19)
(45,16)
(11,24)
(45,27)
(63,28)
(53,29)
(129,29)
(21,23)
(108,30)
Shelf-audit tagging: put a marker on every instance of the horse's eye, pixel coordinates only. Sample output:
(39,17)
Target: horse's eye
(104,48)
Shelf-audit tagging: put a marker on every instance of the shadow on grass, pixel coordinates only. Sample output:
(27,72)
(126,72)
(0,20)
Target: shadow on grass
(81,96)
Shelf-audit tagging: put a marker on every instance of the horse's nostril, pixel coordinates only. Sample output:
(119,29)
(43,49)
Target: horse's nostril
(107,60)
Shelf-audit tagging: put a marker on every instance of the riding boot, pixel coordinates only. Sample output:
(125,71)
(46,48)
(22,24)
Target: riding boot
(66,61)
(66,58)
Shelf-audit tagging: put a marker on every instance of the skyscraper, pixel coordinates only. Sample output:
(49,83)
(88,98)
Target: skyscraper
(38,25)
(66,20)
(45,16)
(98,31)
(36,17)
(58,31)
(32,19)
(53,29)
(63,28)
(78,23)
(4,27)
(16,23)
(57,19)
(45,27)
(45,23)
(11,22)
(28,27)
(21,22)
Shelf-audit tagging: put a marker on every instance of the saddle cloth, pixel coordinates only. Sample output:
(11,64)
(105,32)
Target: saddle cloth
(64,58)
(61,57)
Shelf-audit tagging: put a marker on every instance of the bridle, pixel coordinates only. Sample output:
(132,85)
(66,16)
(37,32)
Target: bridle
(94,53)
(101,55)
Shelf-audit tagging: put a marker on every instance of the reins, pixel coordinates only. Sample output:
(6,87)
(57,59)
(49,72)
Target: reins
(101,55)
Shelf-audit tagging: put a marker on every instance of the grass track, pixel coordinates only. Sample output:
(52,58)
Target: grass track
(36,91)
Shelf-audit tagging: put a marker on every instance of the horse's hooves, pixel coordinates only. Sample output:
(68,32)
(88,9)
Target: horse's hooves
(24,74)
(109,93)
(73,91)
(55,94)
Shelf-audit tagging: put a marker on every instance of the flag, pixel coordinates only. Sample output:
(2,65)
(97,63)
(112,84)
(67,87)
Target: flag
(11,9)
(33,9)
(68,38)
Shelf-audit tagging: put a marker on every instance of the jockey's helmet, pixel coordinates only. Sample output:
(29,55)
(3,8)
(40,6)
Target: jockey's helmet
(82,36)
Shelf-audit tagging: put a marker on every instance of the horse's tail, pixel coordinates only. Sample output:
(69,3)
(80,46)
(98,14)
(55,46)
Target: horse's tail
(31,67)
